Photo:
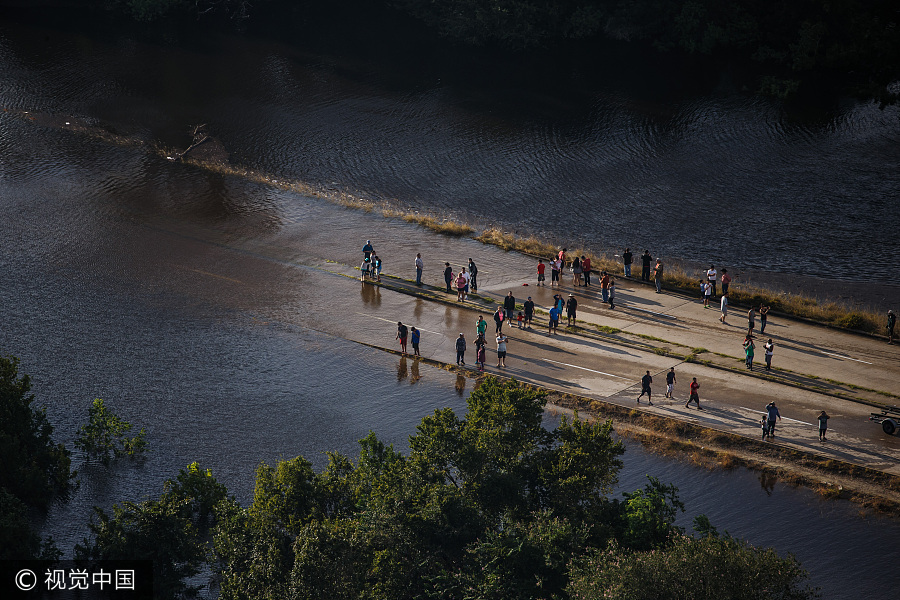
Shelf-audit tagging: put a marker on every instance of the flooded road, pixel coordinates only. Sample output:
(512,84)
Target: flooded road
(115,285)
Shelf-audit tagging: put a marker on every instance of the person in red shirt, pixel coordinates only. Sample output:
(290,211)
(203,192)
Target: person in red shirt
(695,397)
(726,280)
(586,269)
(541,268)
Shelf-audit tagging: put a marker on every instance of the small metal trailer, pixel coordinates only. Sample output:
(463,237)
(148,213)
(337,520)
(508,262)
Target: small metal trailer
(889,419)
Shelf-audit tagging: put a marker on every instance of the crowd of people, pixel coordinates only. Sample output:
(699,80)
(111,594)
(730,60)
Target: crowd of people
(465,281)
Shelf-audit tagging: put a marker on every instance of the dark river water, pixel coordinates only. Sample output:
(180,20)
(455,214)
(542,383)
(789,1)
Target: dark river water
(107,291)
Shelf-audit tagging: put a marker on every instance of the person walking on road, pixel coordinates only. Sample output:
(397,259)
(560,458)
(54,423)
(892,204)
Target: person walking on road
(604,285)
(377,263)
(724,303)
(646,259)
(658,276)
(509,304)
(529,312)
(891,321)
(419,266)
(402,332)
(764,424)
(695,395)
(670,382)
(711,276)
(646,380)
(612,293)
(763,317)
(772,414)
(415,335)
(749,348)
(473,275)
(448,276)
(769,351)
(571,309)
(627,259)
(499,317)
(461,349)
(501,350)
(540,271)
(823,425)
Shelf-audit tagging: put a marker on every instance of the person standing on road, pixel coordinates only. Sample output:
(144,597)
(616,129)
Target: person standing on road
(480,326)
(726,281)
(419,266)
(670,382)
(891,321)
(499,318)
(540,270)
(554,320)
(749,348)
(695,395)
(555,268)
(612,293)
(402,332)
(711,276)
(770,350)
(461,284)
(772,414)
(509,303)
(473,275)
(751,321)
(707,294)
(368,251)
(604,285)
(627,259)
(646,380)
(501,350)
(763,317)
(448,276)
(586,270)
(724,303)
(764,424)
(480,352)
(529,312)
(823,425)
(577,271)
(658,276)
(414,338)
(646,259)
(571,309)
(461,349)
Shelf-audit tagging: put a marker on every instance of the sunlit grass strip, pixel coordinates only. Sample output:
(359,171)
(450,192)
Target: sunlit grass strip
(676,278)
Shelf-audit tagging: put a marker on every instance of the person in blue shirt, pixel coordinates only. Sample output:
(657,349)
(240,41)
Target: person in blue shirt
(554,319)
(414,335)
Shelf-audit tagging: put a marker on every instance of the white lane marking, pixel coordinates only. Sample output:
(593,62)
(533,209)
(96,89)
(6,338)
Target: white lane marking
(649,311)
(584,368)
(782,418)
(390,321)
(844,357)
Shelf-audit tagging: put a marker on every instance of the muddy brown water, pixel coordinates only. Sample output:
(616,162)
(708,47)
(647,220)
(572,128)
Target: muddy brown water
(137,280)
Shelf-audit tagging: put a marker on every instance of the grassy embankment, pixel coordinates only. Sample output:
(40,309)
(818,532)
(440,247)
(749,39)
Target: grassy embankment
(797,305)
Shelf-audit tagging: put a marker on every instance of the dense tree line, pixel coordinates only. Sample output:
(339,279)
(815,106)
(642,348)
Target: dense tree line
(854,41)
(489,506)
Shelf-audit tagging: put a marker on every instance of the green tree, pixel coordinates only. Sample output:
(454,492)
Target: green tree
(104,436)
(33,468)
(706,568)
(167,531)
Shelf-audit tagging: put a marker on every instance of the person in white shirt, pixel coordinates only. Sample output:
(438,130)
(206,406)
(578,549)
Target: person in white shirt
(724,307)
(712,275)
